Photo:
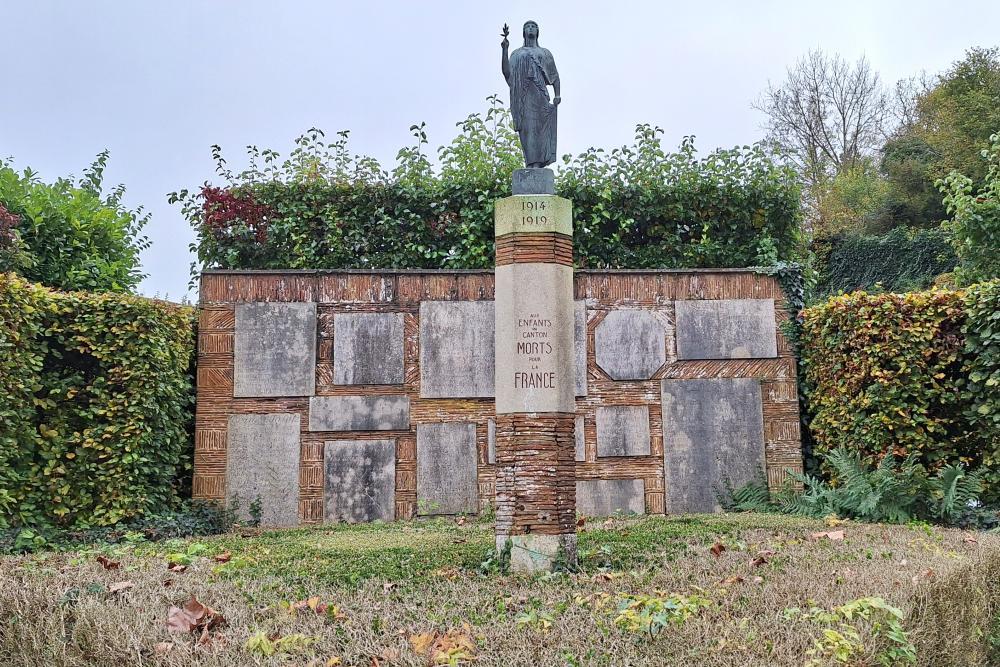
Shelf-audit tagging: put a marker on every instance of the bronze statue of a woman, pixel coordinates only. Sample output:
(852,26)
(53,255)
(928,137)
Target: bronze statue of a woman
(529,71)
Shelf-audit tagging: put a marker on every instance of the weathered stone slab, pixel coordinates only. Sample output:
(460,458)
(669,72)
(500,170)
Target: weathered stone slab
(713,430)
(535,348)
(274,350)
(262,464)
(368,348)
(726,329)
(630,344)
(623,430)
(580,346)
(579,440)
(360,480)
(605,497)
(534,182)
(456,349)
(491,441)
(533,213)
(359,413)
(446,469)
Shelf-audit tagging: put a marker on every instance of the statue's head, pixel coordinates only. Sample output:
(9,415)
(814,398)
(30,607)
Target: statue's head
(530,30)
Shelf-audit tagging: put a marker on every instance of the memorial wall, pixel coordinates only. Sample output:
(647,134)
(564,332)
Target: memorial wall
(361,396)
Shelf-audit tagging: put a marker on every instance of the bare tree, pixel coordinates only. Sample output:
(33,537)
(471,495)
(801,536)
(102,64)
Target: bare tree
(827,116)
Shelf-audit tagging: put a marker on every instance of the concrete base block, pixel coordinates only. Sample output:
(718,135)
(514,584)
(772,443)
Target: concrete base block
(534,554)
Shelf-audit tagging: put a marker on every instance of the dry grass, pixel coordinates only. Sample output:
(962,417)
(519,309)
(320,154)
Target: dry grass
(396,586)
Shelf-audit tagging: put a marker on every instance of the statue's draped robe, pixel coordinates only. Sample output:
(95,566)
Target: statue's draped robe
(531,69)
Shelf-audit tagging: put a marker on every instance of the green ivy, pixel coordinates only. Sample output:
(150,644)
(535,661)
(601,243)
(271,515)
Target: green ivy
(637,206)
(902,260)
(97,404)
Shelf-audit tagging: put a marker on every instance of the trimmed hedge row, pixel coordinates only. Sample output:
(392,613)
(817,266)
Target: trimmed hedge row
(907,373)
(96,404)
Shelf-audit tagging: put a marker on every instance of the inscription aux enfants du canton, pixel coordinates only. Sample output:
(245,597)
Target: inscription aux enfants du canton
(534,324)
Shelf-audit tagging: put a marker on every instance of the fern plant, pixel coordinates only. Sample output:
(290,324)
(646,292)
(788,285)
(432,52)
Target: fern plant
(952,491)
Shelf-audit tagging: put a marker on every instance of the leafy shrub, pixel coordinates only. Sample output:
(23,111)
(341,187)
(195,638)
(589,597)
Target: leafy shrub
(96,412)
(982,370)
(975,223)
(902,260)
(883,375)
(635,206)
(840,641)
(66,236)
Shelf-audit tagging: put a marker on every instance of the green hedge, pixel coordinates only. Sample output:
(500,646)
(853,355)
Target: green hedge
(638,206)
(96,405)
(907,373)
(902,260)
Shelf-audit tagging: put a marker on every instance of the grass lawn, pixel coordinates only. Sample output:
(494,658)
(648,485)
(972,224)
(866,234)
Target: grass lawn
(731,589)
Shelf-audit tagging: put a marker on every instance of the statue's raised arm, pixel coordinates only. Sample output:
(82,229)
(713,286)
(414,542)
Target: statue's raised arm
(529,71)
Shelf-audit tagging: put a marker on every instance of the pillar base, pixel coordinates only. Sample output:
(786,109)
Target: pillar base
(533,554)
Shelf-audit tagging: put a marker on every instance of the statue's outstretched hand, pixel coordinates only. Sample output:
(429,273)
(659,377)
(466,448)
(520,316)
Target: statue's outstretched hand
(506,31)
(556,100)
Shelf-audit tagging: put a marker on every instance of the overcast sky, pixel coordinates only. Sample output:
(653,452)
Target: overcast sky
(157,83)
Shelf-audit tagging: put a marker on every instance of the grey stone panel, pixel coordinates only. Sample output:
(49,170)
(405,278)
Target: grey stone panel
(262,462)
(623,430)
(605,497)
(359,413)
(580,346)
(580,442)
(456,349)
(713,431)
(368,348)
(726,329)
(491,441)
(446,469)
(360,480)
(274,350)
(630,344)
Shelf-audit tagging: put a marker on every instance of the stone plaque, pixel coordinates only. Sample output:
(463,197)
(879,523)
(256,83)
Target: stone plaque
(491,441)
(456,349)
(726,329)
(713,430)
(446,469)
(359,413)
(274,350)
(368,348)
(623,430)
(579,440)
(533,213)
(262,464)
(605,497)
(630,344)
(359,480)
(534,339)
(580,343)
(533,182)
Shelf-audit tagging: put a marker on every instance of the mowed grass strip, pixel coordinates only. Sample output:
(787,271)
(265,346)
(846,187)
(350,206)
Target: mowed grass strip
(412,593)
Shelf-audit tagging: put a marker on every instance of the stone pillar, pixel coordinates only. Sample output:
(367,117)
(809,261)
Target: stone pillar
(535,378)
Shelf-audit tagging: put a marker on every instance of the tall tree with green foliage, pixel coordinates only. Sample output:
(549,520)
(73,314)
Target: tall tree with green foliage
(950,120)
(70,236)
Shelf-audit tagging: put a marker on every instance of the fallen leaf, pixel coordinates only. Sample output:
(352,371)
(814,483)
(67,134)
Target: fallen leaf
(758,580)
(120,586)
(334,662)
(581,522)
(163,648)
(608,524)
(717,549)
(108,563)
(460,521)
(224,557)
(834,535)
(729,581)
(758,561)
(167,583)
(176,567)
(833,520)
(194,617)
(969,539)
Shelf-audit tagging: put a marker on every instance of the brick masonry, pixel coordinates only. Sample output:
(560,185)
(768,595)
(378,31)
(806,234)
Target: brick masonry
(401,292)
